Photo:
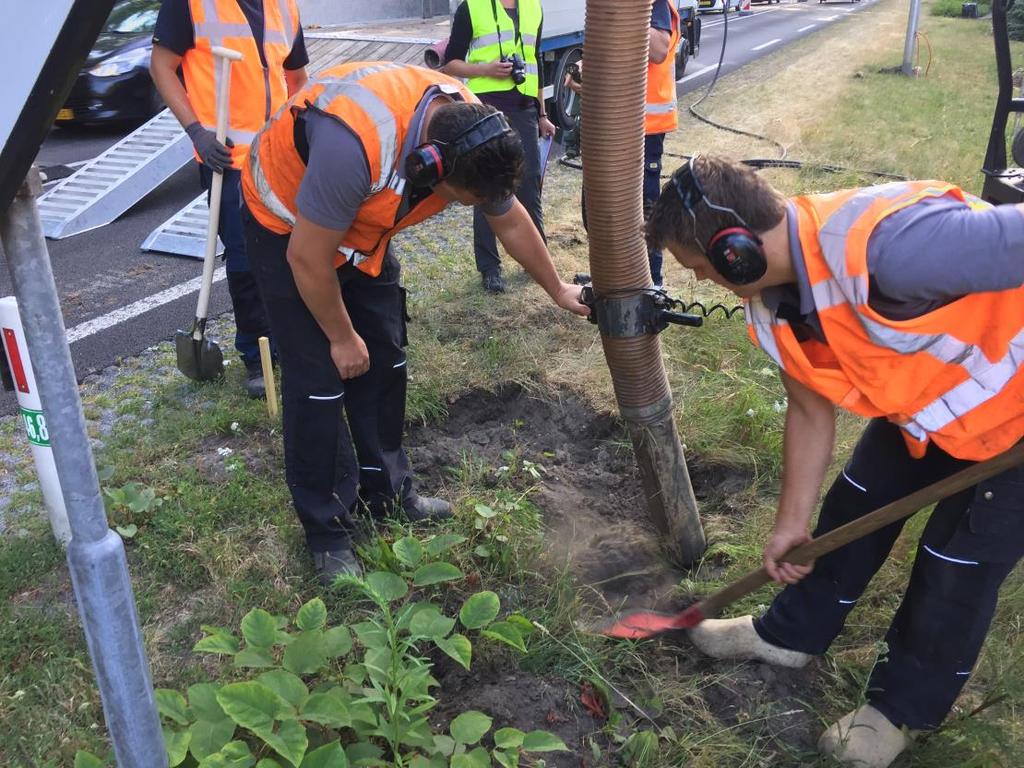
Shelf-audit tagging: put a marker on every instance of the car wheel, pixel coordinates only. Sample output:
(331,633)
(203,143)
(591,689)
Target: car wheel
(682,57)
(566,102)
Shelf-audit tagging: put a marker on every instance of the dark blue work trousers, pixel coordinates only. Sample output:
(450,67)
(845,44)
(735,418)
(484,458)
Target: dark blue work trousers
(970,544)
(250,315)
(654,148)
(342,438)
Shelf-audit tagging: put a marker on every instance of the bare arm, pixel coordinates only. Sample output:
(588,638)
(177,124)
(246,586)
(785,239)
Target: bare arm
(163,68)
(311,252)
(295,79)
(516,231)
(460,68)
(660,40)
(807,452)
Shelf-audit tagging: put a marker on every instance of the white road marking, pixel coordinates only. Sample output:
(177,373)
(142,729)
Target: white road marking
(699,72)
(765,45)
(735,19)
(136,308)
(827,18)
(809,26)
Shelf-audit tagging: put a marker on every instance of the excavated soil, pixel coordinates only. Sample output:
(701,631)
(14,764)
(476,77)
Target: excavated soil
(591,499)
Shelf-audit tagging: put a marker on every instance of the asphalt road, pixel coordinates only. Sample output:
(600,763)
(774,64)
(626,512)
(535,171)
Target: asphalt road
(99,273)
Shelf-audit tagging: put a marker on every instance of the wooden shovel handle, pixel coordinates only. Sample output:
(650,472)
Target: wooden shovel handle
(901,508)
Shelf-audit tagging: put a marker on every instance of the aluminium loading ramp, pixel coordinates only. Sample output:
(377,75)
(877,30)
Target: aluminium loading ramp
(184,234)
(110,184)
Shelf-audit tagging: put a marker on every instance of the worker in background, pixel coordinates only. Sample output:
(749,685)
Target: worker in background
(902,303)
(365,150)
(661,115)
(494,46)
(269,37)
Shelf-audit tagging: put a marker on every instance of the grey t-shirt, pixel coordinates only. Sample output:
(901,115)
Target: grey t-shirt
(920,258)
(337,178)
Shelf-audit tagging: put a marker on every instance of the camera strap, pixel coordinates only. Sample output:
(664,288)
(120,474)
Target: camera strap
(518,38)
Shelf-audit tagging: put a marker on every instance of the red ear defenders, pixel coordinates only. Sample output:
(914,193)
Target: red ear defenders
(434,161)
(736,253)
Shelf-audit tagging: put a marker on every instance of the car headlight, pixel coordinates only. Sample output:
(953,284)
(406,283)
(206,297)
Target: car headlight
(122,63)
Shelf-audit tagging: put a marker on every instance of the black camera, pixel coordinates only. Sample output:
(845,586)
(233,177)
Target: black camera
(518,73)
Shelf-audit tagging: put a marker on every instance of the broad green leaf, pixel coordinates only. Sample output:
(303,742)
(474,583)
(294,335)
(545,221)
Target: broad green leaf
(313,615)
(482,551)
(444,744)
(405,614)
(387,586)
(210,736)
(363,753)
(305,654)
(337,642)
(286,685)
(259,628)
(479,610)
(254,658)
(485,512)
(440,544)
(87,760)
(428,762)
(543,741)
(252,705)
(172,705)
(370,634)
(523,624)
(378,663)
(409,551)
(435,573)
(458,647)
(234,755)
(430,623)
(268,762)
(328,709)
(176,744)
(289,742)
(508,738)
(218,640)
(328,756)
(505,633)
(504,759)
(470,727)
(478,758)
(202,700)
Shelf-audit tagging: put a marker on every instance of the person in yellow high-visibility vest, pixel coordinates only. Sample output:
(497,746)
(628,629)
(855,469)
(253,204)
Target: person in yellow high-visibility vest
(494,45)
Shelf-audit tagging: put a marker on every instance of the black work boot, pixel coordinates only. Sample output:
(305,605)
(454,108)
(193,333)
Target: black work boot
(255,387)
(493,282)
(337,562)
(427,508)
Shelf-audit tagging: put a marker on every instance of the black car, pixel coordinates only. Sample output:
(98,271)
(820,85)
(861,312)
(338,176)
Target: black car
(114,85)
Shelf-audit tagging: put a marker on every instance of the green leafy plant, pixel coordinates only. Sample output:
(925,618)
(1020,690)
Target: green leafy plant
(330,697)
(129,505)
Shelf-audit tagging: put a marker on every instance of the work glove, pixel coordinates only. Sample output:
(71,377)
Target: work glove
(212,153)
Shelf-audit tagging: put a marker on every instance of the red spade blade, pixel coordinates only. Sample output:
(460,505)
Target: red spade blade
(636,625)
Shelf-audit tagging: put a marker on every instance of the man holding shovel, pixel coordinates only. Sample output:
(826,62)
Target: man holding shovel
(365,150)
(272,68)
(902,303)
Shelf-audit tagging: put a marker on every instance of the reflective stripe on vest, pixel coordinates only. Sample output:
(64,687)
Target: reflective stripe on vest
(377,103)
(493,38)
(952,375)
(662,108)
(255,92)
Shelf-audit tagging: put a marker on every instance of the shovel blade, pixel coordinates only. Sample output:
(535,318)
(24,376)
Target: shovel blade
(637,625)
(200,360)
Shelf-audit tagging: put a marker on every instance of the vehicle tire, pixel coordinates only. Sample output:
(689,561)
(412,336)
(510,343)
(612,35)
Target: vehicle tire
(566,103)
(682,56)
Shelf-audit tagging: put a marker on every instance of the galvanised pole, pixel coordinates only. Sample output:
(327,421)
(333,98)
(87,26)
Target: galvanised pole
(96,558)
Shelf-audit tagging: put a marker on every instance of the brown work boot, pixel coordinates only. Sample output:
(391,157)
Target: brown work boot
(864,739)
(737,639)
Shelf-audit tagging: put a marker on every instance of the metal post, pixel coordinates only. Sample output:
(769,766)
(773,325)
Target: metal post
(908,47)
(96,559)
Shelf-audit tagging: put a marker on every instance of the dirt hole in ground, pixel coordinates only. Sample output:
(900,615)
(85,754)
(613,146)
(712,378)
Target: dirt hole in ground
(591,498)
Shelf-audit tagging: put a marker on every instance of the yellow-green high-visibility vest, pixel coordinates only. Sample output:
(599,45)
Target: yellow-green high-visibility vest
(494,35)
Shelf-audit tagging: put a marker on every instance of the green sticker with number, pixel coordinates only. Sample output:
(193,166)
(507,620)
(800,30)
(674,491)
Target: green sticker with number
(35,427)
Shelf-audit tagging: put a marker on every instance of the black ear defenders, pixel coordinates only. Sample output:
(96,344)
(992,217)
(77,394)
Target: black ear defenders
(432,162)
(736,253)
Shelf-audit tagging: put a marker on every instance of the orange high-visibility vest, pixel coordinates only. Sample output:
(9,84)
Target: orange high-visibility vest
(662,110)
(258,86)
(952,375)
(377,102)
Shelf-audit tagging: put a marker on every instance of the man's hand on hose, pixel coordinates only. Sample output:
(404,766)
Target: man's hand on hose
(568,297)
(215,156)
(780,541)
(350,356)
